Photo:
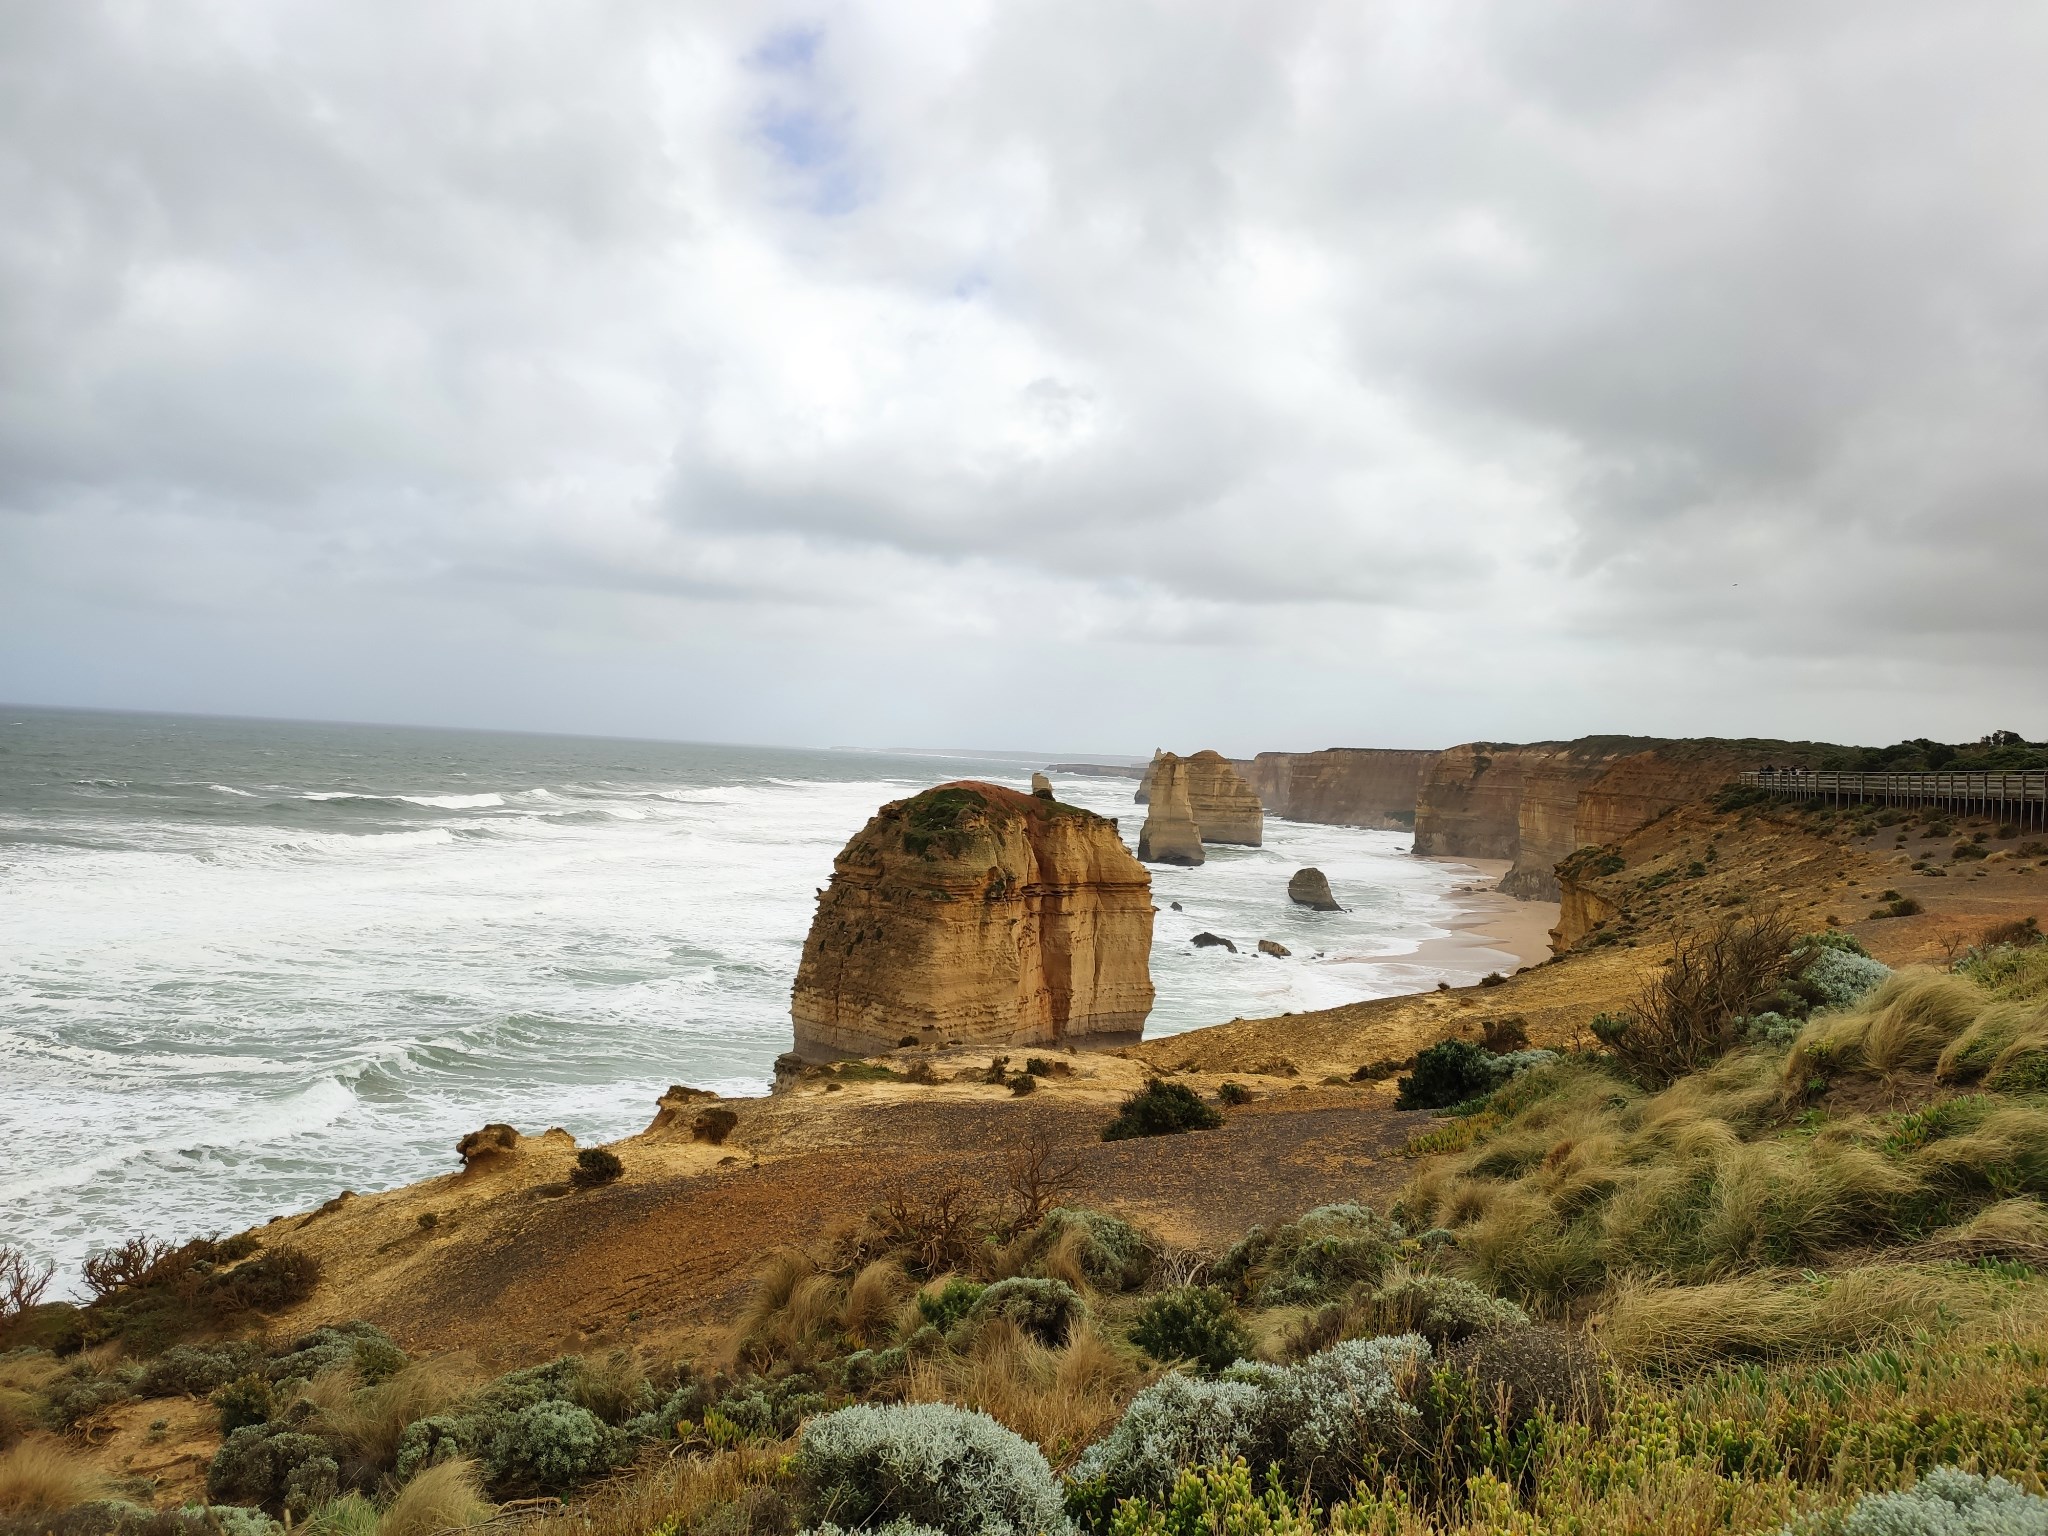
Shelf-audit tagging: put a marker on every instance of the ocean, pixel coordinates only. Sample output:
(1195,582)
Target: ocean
(247,964)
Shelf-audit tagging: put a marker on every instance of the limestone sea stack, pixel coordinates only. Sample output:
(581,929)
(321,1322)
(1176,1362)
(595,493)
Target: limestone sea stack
(975,913)
(1041,786)
(1143,795)
(1223,805)
(1311,888)
(1170,834)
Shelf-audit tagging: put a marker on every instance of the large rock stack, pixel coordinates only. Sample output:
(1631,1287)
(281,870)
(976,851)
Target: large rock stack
(975,913)
(1222,804)
(1170,834)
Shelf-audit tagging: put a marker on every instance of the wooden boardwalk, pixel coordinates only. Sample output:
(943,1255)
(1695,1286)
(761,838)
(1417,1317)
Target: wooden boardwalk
(2018,798)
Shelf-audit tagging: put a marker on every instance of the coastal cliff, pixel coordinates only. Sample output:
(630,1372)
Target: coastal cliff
(1222,804)
(1340,786)
(977,914)
(1538,803)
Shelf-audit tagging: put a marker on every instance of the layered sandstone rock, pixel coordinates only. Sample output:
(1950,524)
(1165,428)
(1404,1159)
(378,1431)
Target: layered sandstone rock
(972,912)
(1143,795)
(1343,786)
(1311,888)
(1223,805)
(1170,834)
(1537,804)
(1041,786)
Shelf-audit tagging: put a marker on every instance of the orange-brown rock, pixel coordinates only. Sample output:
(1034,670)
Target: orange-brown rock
(975,913)
(1143,794)
(1223,806)
(1539,803)
(1170,834)
(1343,786)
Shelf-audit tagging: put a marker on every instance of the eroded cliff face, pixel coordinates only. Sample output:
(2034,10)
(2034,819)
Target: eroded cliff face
(1222,804)
(1170,834)
(975,913)
(1470,802)
(1538,804)
(1342,786)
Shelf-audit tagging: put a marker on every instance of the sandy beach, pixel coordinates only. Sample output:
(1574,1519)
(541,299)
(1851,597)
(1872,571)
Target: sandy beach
(1492,929)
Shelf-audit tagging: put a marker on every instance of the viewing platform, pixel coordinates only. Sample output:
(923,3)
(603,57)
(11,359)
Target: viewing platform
(2019,798)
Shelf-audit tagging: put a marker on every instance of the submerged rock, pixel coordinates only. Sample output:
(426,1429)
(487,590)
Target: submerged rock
(977,914)
(1311,888)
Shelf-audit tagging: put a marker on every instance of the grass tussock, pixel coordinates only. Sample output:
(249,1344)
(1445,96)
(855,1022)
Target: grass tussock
(40,1475)
(447,1497)
(742,1491)
(1062,1400)
(1733,1170)
(369,1421)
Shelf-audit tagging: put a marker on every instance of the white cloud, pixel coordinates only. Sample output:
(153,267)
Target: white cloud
(1271,374)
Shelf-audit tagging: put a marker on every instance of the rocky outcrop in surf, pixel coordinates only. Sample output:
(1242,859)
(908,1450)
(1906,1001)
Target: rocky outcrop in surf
(976,913)
(1311,888)
(1223,805)
(1170,834)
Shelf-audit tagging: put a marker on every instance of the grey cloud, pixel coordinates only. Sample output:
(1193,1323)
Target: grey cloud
(1473,342)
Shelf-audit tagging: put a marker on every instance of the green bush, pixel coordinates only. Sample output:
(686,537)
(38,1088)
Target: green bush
(1113,1254)
(929,1463)
(1447,1073)
(1324,1424)
(278,1465)
(1324,1252)
(357,1346)
(952,1303)
(1442,1309)
(244,1401)
(1517,1373)
(1161,1109)
(190,1370)
(1047,1310)
(550,1447)
(1233,1094)
(1193,1322)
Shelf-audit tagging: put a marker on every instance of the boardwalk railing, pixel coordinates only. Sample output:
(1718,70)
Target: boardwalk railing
(2018,798)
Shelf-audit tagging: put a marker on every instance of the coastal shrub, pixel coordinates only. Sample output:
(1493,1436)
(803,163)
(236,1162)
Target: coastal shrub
(595,1166)
(713,1125)
(191,1370)
(1506,1034)
(1022,1084)
(278,1465)
(1104,1250)
(550,1447)
(932,1464)
(1690,1013)
(1323,1423)
(1191,1322)
(84,1391)
(1233,1094)
(244,1401)
(361,1347)
(1310,1259)
(1841,976)
(1443,1309)
(1161,1109)
(1447,1073)
(1515,1373)
(1045,1310)
(944,1308)
(1493,979)
(1944,1502)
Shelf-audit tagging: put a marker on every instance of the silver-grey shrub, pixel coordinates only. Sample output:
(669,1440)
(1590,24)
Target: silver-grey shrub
(931,1464)
(1323,1422)
(1946,1502)
(1842,976)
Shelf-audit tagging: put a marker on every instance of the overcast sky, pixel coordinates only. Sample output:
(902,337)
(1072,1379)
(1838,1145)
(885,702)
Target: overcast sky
(1072,374)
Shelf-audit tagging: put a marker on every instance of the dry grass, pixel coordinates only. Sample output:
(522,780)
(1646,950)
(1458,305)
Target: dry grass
(2015,1230)
(793,1311)
(1062,1399)
(1904,1026)
(1655,1326)
(443,1498)
(370,1420)
(874,1302)
(735,1492)
(41,1475)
